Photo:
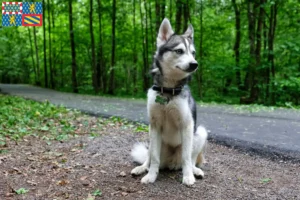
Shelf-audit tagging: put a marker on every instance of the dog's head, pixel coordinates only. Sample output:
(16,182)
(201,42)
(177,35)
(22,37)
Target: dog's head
(175,53)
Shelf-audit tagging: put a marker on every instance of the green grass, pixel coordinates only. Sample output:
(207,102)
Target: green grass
(20,117)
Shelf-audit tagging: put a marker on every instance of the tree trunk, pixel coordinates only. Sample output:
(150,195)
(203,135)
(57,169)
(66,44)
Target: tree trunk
(255,79)
(45,56)
(100,64)
(162,9)
(237,43)
(94,67)
(38,81)
(135,56)
(271,37)
(151,28)
(32,56)
(186,15)
(178,16)
(144,49)
(113,49)
(200,73)
(50,47)
(73,52)
(146,67)
(171,10)
(157,14)
(249,79)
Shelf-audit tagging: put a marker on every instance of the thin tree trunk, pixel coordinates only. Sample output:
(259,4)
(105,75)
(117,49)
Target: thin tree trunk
(200,73)
(54,57)
(237,43)
(32,56)
(186,14)
(144,48)
(45,56)
(50,47)
(151,28)
(255,79)
(100,64)
(178,16)
(113,49)
(38,81)
(73,52)
(135,56)
(146,67)
(94,67)
(157,14)
(249,79)
(162,9)
(171,10)
(271,36)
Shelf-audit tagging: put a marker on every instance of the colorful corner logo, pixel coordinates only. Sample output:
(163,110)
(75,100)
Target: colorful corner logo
(22,14)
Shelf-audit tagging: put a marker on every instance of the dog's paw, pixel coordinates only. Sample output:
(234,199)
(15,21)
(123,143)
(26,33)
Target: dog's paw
(138,170)
(198,172)
(188,180)
(149,178)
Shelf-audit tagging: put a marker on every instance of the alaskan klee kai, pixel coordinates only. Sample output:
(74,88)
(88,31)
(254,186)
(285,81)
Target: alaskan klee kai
(175,141)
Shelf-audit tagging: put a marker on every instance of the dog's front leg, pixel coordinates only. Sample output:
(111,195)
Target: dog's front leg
(187,147)
(154,150)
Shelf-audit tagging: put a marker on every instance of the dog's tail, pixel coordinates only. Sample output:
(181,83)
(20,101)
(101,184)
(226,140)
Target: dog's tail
(139,153)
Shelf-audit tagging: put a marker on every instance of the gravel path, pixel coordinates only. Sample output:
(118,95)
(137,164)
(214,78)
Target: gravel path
(273,133)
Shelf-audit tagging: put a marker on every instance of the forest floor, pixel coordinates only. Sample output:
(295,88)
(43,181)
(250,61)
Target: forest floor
(91,161)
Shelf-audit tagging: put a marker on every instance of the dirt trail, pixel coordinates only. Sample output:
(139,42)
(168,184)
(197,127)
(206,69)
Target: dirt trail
(77,168)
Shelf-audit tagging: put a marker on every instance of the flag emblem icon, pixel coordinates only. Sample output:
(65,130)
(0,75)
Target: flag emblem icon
(32,20)
(22,13)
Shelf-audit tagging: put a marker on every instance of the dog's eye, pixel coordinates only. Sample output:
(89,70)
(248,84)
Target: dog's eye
(179,51)
(194,53)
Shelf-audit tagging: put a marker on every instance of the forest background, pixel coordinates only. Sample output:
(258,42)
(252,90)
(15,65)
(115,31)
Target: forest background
(248,50)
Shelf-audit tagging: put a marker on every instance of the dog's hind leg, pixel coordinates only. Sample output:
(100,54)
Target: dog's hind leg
(140,154)
(199,142)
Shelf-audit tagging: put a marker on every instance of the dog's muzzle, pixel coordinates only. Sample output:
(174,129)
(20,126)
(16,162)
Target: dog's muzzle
(192,67)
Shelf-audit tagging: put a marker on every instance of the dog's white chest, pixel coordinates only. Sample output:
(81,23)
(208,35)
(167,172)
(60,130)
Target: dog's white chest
(169,119)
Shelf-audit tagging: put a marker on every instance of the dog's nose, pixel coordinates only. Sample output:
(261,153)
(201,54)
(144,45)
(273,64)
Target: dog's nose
(193,66)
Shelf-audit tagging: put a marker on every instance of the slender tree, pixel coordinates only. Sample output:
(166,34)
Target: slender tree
(113,50)
(236,47)
(94,67)
(32,56)
(178,16)
(38,82)
(45,53)
(135,55)
(73,52)
(50,46)
(271,38)
(101,77)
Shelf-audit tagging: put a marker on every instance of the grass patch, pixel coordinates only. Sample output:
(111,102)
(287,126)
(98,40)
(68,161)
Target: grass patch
(20,117)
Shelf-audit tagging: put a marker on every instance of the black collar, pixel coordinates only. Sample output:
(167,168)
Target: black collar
(164,90)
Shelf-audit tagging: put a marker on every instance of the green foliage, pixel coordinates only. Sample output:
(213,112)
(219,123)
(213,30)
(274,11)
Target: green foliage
(265,180)
(218,60)
(20,117)
(21,191)
(97,193)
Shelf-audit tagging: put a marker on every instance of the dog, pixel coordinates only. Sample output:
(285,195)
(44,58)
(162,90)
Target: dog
(175,141)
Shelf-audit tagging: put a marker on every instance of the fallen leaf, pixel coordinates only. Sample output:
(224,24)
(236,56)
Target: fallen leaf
(123,174)
(124,193)
(62,182)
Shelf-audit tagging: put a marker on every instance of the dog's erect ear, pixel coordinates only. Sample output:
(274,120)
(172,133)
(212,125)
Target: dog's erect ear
(164,33)
(189,32)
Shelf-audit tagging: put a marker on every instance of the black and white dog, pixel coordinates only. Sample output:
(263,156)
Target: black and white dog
(175,141)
